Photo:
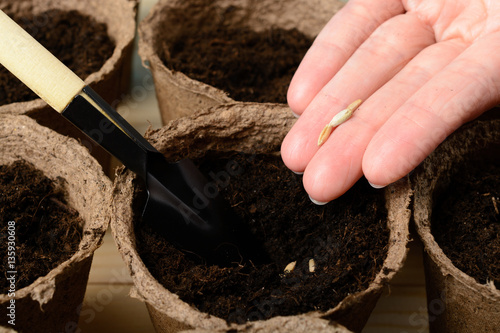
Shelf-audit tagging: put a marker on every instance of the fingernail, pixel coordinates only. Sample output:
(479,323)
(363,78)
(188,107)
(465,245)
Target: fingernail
(296,115)
(377,186)
(298,173)
(319,203)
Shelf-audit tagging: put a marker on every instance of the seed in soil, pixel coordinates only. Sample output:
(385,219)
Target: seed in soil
(290,267)
(312,265)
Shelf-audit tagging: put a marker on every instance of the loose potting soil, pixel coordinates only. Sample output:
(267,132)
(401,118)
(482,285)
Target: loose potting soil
(250,66)
(466,222)
(347,239)
(77,40)
(33,212)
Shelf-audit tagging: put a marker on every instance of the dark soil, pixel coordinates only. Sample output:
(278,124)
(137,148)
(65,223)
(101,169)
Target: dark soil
(77,40)
(47,231)
(347,239)
(466,222)
(249,66)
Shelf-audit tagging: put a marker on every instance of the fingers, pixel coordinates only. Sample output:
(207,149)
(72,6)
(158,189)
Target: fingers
(345,32)
(337,165)
(374,63)
(460,92)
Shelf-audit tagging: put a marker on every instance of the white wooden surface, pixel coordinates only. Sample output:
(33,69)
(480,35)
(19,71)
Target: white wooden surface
(108,308)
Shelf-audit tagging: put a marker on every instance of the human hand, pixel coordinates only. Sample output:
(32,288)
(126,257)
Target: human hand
(422,67)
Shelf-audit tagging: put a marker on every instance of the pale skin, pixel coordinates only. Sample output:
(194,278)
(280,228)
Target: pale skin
(422,68)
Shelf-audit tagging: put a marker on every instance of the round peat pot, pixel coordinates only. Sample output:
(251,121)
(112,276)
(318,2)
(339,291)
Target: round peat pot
(266,23)
(94,38)
(238,145)
(52,302)
(456,217)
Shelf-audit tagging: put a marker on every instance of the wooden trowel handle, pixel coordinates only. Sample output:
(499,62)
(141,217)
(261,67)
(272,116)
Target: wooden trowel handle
(42,72)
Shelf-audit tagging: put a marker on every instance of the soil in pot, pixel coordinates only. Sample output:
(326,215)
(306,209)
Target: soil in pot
(77,40)
(47,232)
(250,66)
(347,241)
(466,221)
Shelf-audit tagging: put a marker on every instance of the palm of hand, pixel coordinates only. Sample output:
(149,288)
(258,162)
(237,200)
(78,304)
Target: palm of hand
(423,67)
(463,20)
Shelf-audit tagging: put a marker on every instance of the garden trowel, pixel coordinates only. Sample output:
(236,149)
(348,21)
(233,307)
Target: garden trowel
(204,225)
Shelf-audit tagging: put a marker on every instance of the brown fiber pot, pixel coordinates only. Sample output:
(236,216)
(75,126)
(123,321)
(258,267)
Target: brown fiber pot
(456,302)
(112,81)
(178,95)
(52,302)
(247,128)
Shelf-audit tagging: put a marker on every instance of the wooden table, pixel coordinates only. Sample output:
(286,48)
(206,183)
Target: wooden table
(108,308)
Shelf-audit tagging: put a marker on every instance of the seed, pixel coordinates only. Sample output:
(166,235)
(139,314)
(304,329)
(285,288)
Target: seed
(290,267)
(495,204)
(312,265)
(325,134)
(338,119)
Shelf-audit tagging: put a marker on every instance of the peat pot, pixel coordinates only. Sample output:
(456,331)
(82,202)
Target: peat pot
(252,133)
(455,218)
(52,302)
(172,22)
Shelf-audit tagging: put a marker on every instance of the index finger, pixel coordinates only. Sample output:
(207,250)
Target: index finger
(338,40)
